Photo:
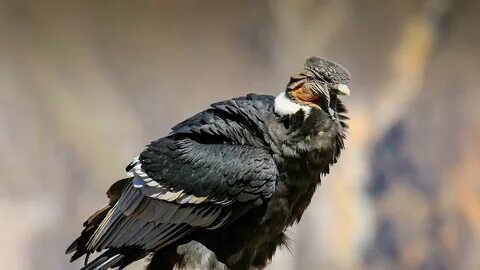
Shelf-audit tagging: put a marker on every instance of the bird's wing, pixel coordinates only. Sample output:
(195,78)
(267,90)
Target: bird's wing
(181,183)
(189,172)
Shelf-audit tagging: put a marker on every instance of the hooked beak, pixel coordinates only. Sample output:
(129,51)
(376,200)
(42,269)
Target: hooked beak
(342,89)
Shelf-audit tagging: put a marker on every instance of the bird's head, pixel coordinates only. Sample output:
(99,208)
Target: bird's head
(316,86)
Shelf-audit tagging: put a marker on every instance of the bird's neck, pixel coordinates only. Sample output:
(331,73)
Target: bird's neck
(284,106)
(296,136)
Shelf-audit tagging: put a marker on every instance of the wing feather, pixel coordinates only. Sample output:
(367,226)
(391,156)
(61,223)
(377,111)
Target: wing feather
(208,166)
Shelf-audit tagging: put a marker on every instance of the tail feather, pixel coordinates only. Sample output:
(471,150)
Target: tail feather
(110,258)
(79,246)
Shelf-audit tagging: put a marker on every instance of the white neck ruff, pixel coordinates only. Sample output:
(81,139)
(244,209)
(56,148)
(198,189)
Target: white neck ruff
(285,106)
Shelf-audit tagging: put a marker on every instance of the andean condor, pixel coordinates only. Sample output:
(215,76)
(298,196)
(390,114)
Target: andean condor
(225,183)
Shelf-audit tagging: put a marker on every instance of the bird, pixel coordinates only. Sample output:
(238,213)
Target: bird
(225,184)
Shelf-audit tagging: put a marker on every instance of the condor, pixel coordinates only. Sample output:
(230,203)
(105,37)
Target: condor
(224,185)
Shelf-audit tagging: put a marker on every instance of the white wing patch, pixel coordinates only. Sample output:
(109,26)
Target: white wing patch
(142,180)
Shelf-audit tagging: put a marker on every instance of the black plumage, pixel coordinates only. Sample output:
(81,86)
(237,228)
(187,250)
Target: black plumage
(226,182)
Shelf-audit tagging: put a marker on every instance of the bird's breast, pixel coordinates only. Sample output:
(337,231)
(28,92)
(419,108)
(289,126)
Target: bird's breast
(292,196)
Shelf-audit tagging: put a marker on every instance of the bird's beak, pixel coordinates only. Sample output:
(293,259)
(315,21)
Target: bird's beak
(343,89)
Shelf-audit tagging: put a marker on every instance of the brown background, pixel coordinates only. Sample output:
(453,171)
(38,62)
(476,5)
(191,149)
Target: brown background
(84,85)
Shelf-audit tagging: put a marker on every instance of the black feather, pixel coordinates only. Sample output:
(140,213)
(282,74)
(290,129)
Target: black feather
(232,178)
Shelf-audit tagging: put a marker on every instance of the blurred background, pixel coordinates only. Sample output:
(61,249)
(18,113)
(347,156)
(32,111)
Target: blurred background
(84,85)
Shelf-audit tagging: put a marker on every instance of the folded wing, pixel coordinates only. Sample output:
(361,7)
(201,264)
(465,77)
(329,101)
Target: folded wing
(179,185)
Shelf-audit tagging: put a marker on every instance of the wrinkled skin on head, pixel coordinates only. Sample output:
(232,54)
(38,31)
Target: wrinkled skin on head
(319,83)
